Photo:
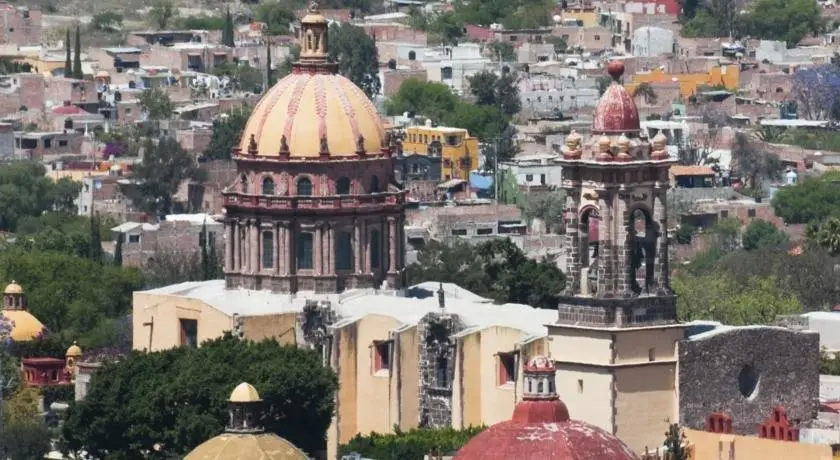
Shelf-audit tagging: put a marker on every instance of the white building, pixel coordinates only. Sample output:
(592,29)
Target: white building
(535,170)
(652,41)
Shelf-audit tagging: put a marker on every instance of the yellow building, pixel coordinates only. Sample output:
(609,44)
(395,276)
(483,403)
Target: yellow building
(457,149)
(719,446)
(402,361)
(726,75)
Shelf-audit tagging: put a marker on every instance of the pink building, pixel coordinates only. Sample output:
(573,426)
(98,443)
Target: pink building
(20,25)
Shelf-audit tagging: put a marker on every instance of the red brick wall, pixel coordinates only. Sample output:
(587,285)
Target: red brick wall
(27,90)
(16,29)
(392,33)
(59,90)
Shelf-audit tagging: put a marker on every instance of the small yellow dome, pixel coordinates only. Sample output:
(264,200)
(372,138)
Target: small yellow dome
(13,288)
(236,446)
(25,326)
(74,351)
(244,393)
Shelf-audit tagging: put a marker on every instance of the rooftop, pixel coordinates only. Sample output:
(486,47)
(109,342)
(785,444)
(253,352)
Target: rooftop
(477,312)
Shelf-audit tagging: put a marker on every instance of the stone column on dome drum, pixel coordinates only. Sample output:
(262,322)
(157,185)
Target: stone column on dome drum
(288,250)
(365,252)
(255,246)
(331,250)
(229,236)
(357,245)
(625,226)
(276,240)
(245,264)
(237,246)
(392,245)
(660,216)
(606,251)
(318,248)
(573,243)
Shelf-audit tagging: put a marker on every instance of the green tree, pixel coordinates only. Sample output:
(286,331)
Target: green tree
(95,238)
(78,73)
(277,17)
(226,132)
(106,21)
(118,250)
(825,235)
(560,45)
(502,51)
(165,166)
(675,442)
(26,441)
(498,91)
(357,57)
(227,32)
(727,234)
(68,64)
(784,20)
(811,199)
(428,99)
(156,103)
(753,163)
(484,122)
(645,90)
(760,233)
(162,12)
(26,191)
(169,403)
(243,76)
(414,444)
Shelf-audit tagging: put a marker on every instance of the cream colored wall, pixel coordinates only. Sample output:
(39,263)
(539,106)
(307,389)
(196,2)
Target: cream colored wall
(713,446)
(164,312)
(644,404)
(346,346)
(409,381)
(471,381)
(373,389)
(593,402)
(457,387)
(585,346)
(635,346)
(282,327)
(497,401)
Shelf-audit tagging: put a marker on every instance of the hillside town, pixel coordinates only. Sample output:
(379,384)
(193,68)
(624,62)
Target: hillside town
(419,230)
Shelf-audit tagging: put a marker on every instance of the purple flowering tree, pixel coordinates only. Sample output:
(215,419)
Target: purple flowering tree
(817,92)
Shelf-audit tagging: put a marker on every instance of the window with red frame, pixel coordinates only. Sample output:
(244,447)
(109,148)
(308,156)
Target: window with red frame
(507,368)
(381,355)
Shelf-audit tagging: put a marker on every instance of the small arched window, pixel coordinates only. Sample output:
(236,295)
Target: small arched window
(374,184)
(412,55)
(243,183)
(268,186)
(304,187)
(342,187)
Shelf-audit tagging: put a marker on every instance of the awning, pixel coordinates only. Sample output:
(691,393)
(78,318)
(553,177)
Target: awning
(451,183)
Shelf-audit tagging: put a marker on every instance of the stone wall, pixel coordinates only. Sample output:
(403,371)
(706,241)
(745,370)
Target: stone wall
(746,372)
(437,368)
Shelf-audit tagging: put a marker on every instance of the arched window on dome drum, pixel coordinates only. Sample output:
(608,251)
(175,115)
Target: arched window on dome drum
(243,182)
(268,186)
(303,257)
(342,186)
(267,249)
(374,184)
(344,251)
(304,187)
(375,249)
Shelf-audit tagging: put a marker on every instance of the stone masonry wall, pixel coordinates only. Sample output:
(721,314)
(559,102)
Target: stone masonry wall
(746,373)
(437,368)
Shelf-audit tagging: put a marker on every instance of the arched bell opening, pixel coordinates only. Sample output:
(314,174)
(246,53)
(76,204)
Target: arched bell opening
(642,233)
(589,224)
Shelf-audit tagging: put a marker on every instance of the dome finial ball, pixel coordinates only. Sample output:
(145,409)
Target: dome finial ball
(615,69)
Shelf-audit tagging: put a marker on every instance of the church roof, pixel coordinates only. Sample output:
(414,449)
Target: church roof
(246,446)
(476,312)
(25,325)
(616,112)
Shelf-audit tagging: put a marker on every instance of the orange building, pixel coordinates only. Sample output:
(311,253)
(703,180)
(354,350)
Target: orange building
(727,75)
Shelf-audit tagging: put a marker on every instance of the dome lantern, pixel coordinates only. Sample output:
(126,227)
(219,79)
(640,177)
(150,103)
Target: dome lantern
(616,112)
(13,298)
(244,406)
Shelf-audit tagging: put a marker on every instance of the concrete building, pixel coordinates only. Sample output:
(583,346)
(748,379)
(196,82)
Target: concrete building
(535,170)
(652,41)
(456,148)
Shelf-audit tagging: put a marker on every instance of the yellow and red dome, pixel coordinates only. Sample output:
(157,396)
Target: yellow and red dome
(306,107)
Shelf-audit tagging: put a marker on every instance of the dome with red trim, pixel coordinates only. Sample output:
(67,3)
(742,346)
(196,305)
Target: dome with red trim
(541,428)
(69,109)
(616,112)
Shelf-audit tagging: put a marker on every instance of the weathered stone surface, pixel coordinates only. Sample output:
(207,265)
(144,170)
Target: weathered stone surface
(437,367)
(715,368)
(645,310)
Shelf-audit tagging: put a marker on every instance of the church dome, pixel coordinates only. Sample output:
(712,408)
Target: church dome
(74,351)
(13,288)
(616,112)
(541,428)
(313,112)
(243,439)
(25,326)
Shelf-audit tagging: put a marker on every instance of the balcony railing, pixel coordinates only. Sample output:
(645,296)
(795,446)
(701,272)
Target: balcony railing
(315,202)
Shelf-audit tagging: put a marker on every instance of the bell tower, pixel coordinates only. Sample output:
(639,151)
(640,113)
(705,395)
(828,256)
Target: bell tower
(618,300)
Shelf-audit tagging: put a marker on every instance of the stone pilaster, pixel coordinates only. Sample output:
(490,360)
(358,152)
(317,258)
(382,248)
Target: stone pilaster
(660,216)
(330,250)
(357,245)
(366,246)
(573,243)
(318,243)
(606,249)
(289,248)
(276,239)
(254,248)
(624,228)
(230,235)
(246,246)
(392,245)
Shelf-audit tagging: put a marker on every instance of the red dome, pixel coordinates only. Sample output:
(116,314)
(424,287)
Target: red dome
(541,428)
(68,110)
(616,111)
